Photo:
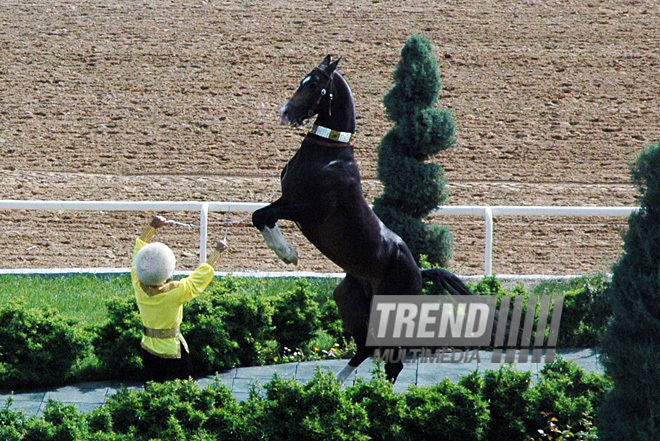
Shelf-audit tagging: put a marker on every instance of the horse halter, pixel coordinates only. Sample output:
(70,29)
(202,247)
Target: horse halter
(324,92)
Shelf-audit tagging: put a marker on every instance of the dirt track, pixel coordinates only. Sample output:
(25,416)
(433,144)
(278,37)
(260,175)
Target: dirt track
(160,100)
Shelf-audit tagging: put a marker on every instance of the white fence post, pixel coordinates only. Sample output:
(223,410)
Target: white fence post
(203,231)
(488,258)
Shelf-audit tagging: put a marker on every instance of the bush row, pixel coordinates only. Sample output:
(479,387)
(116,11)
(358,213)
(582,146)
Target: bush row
(585,314)
(495,405)
(225,327)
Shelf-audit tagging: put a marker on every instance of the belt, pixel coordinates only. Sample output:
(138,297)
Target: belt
(162,333)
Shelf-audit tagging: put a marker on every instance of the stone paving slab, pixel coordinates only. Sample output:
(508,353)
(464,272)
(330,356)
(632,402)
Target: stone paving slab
(307,370)
(266,373)
(88,396)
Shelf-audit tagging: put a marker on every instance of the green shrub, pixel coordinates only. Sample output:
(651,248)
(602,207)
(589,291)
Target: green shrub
(247,320)
(67,423)
(568,393)
(10,433)
(239,322)
(99,420)
(331,415)
(487,407)
(165,411)
(382,404)
(38,347)
(12,423)
(412,188)
(37,429)
(205,329)
(225,329)
(489,286)
(505,390)
(225,422)
(295,316)
(553,431)
(117,342)
(444,412)
(317,410)
(632,342)
(60,422)
(585,315)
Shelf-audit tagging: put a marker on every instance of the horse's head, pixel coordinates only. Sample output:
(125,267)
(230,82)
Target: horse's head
(313,94)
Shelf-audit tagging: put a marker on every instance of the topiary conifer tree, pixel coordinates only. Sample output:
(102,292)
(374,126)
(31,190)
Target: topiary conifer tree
(412,187)
(632,343)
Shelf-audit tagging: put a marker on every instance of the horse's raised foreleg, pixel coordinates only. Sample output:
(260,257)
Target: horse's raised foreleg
(278,243)
(265,219)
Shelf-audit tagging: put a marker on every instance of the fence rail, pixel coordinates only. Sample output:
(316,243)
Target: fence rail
(486,212)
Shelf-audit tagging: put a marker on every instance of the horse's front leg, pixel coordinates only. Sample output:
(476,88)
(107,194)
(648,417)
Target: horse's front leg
(265,219)
(278,243)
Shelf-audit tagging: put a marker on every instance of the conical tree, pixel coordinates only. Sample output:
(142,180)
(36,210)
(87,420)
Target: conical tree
(412,188)
(632,343)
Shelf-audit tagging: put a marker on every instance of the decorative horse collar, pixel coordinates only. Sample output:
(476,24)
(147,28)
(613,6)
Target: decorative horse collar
(332,135)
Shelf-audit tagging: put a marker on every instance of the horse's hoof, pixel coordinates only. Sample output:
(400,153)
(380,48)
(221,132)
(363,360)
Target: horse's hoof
(291,256)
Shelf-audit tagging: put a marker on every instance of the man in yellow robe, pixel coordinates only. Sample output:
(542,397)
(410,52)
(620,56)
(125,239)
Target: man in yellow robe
(160,300)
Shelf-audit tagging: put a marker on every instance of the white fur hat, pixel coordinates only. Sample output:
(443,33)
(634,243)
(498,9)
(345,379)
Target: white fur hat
(154,264)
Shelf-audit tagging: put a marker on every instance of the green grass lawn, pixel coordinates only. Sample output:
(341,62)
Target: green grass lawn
(81,297)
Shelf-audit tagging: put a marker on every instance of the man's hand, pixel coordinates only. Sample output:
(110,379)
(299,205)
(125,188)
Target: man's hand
(158,222)
(149,231)
(213,258)
(221,246)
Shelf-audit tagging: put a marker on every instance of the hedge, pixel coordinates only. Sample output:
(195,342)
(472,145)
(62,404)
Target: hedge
(496,405)
(228,326)
(38,347)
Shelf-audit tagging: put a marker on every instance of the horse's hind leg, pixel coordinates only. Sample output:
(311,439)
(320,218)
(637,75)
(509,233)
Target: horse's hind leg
(362,353)
(393,369)
(402,276)
(353,298)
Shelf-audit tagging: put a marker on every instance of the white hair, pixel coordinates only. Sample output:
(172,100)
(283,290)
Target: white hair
(154,264)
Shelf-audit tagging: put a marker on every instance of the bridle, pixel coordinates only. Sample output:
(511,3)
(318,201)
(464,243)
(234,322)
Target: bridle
(325,132)
(324,92)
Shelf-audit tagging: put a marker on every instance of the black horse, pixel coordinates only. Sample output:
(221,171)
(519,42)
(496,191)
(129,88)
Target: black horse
(322,193)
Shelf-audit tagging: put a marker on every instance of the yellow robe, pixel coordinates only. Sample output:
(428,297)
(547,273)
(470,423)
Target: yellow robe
(161,307)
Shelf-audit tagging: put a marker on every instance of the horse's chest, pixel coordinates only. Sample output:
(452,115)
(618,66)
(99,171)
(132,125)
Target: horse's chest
(304,180)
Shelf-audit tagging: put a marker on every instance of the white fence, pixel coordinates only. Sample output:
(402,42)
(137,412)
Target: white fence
(487,212)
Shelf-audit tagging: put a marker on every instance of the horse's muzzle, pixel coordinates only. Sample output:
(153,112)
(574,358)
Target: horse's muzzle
(286,119)
(284,115)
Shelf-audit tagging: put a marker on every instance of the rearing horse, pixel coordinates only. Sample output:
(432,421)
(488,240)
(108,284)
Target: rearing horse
(322,193)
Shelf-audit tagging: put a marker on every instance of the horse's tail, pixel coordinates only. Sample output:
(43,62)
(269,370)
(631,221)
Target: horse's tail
(449,282)
(452,285)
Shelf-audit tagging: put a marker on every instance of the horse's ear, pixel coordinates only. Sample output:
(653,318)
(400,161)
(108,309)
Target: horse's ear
(331,68)
(326,62)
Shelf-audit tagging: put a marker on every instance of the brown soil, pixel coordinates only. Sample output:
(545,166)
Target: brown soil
(177,100)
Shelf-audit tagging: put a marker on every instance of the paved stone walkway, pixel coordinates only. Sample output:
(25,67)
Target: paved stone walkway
(88,396)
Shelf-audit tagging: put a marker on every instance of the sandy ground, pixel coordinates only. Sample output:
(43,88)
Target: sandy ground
(177,100)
